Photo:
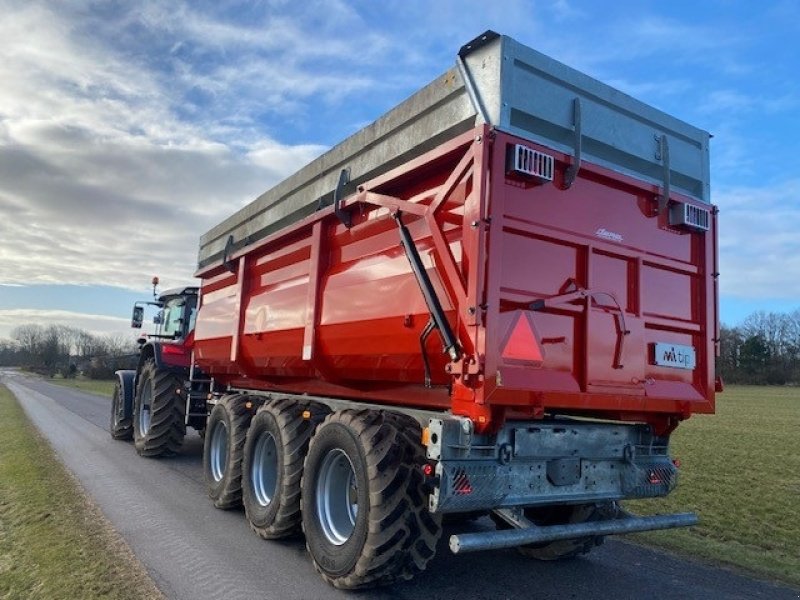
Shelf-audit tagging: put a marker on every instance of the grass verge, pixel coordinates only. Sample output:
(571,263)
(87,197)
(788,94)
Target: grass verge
(101,387)
(740,471)
(54,543)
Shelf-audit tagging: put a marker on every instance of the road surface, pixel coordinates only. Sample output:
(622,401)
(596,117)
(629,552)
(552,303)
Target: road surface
(195,552)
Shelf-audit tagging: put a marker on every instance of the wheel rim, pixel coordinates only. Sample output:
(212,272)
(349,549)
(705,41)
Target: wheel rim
(144,408)
(337,497)
(219,451)
(264,472)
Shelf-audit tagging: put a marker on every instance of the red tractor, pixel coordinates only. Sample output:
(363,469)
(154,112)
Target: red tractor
(153,404)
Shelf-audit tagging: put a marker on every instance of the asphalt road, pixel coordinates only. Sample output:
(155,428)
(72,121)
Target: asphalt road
(194,551)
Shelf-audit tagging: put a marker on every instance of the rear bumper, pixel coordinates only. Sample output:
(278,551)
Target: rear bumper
(510,538)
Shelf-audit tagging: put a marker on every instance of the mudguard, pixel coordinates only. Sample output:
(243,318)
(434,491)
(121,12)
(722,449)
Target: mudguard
(127,385)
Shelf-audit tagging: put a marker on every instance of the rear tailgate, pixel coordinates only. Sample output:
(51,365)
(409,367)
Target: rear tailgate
(604,305)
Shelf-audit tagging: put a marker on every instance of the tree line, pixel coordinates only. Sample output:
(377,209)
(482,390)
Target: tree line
(763,350)
(67,351)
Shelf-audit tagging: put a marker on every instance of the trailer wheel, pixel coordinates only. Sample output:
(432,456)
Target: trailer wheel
(276,445)
(158,412)
(223,448)
(562,515)
(120,428)
(364,509)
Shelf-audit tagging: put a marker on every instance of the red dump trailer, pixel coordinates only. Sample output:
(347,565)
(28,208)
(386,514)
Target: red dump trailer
(500,297)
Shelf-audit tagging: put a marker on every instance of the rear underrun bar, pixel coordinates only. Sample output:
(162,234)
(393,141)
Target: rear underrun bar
(510,538)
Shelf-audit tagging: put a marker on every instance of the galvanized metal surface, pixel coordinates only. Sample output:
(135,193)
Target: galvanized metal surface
(511,538)
(519,90)
(555,462)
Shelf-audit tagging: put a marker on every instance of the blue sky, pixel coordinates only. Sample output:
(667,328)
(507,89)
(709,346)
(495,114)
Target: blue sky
(129,129)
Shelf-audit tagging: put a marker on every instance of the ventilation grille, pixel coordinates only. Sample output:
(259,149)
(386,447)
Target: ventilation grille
(689,217)
(529,164)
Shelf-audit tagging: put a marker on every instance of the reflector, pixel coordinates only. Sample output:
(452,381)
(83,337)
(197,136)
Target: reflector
(522,343)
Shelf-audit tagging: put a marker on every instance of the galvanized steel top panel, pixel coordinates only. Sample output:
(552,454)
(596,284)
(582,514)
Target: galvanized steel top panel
(520,91)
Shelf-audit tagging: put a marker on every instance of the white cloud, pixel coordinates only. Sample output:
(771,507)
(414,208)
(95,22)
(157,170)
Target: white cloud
(759,246)
(102,181)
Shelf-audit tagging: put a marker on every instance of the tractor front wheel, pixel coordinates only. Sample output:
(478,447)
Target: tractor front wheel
(121,427)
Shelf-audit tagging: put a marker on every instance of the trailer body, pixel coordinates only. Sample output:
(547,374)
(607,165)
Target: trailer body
(568,290)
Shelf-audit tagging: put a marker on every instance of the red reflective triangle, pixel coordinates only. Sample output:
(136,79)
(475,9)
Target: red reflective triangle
(522,343)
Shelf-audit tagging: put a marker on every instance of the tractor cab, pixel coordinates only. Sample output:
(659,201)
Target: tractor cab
(177,308)
(170,345)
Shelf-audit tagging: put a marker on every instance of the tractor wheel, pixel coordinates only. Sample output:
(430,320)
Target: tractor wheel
(120,428)
(562,515)
(223,448)
(158,412)
(276,445)
(364,509)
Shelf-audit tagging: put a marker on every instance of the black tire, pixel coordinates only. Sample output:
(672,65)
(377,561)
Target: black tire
(222,457)
(562,515)
(119,427)
(156,392)
(392,535)
(274,451)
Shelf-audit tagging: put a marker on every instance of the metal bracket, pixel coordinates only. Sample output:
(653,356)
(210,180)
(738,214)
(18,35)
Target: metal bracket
(663,154)
(470,87)
(588,296)
(344,217)
(514,516)
(466,49)
(571,173)
(226,255)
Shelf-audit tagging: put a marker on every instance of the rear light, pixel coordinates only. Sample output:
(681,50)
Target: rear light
(426,436)
(654,477)
(427,470)
(677,463)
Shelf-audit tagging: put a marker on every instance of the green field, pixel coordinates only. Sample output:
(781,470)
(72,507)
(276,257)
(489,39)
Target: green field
(740,471)
(102,387)
(54,543)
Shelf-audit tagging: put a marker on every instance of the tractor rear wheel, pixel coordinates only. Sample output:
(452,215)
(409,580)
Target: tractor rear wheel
(364,508)
(223,448)
(158,412)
